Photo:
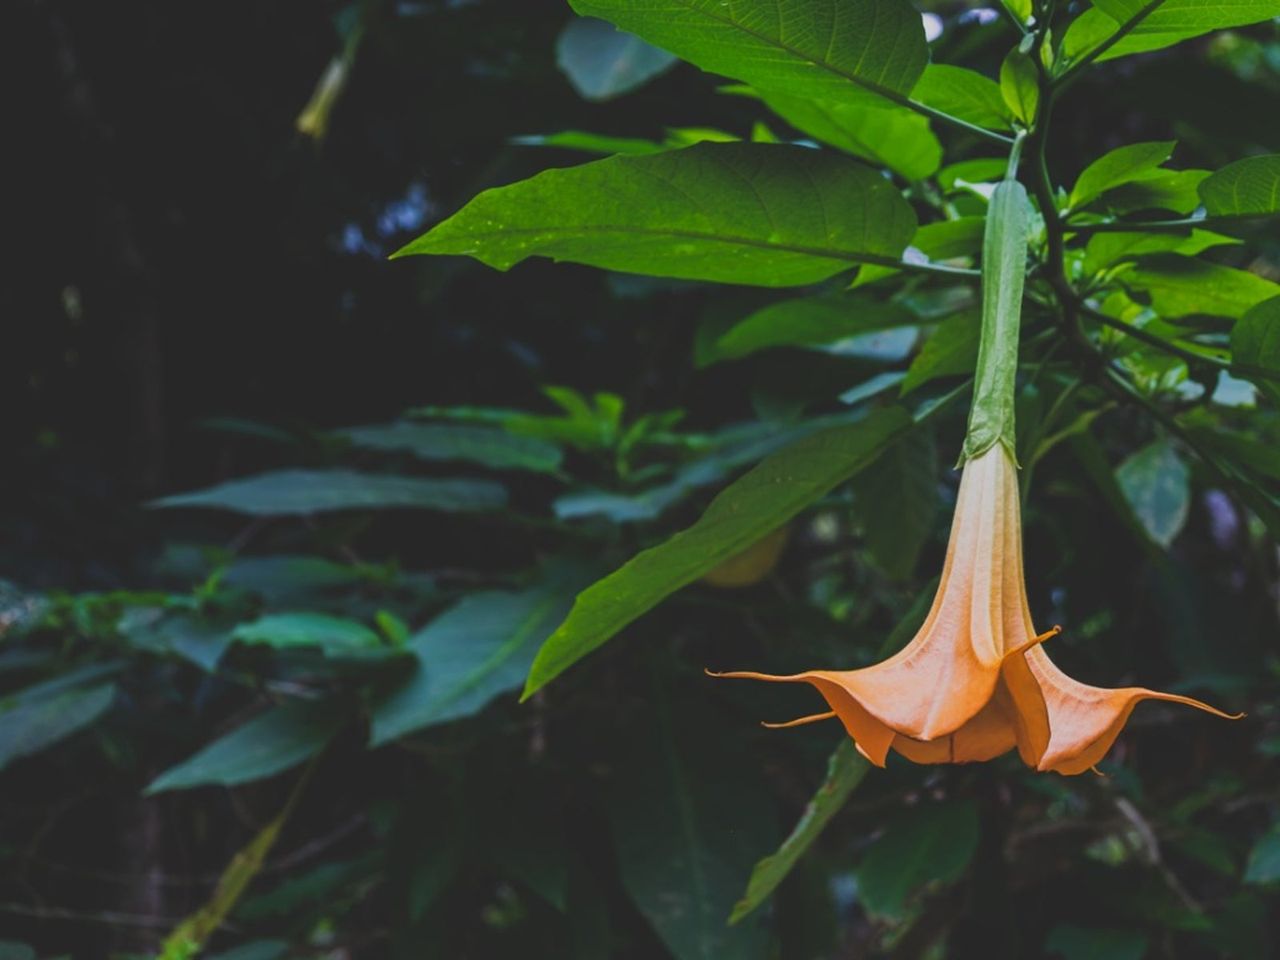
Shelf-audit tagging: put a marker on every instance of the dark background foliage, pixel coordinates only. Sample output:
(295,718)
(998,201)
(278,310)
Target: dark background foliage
(198,291)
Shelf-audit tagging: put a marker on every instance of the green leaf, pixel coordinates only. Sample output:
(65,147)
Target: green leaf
(761,214)
(1117,167)
(1176,190)
(951,349)
(301,492)
(808,321)
(1157,485)
(255,950)
(1255,342)
(763,499)
(1021,10)
(436,442)
(475,651)
(591,142)
(1181,286)
(964,93)
(883,134)
(603,63)
(1095,943)
(687,814)
(845,770)
(1249,187)
(931,844)
(895,500)
(270,743)
(1162,24)
(941,240)
(37,718)
(1106,249)
(1020,85)
(1264,858)
(334,635)
(843,50)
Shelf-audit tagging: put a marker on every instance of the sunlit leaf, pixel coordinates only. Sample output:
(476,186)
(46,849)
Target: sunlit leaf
(1119,166)
(1248,187)
(1153,26)
(1180,286)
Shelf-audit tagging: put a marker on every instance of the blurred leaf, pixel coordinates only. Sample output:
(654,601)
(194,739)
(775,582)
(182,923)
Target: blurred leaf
(931,844)
(478,649)
(255,950)
(1180,286)
(1255,342)
(1264,858)
(885,135)
(591,142)
(951,349)
(845,770)
(37,718)
(1117,167)
(762,500)
(308,889)
(278,579)
(334,635)
(1247,187)
(301,492)
(686,815)
(1071,942)
(761,214)
(896,498)
(444,442)
(602,62)
(865,49)
(270,743)
(963,93)
(1157,485)
(808,321)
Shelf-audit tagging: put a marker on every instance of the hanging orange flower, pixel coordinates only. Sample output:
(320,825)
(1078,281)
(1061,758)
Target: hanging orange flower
(961,689)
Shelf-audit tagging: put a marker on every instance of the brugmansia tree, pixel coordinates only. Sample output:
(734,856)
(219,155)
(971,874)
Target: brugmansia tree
(893,255)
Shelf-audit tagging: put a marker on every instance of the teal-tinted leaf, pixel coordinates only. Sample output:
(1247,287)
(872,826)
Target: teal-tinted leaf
(1163,24)
(1071,942)
(284,578)
(822,49)
(763,499)
(1020,85)
(808,321)
(270,743)
(603,63)
(37,718)
(845,771)
(931,844)
(763,214)
(591,142)
(294,492)
(13,950)
(687,816)
(1117,167)
(881,133)
(444,442)
(951,349)
(1105,249)
(1181,286)
(1255,342)
(334,635)
(896,499)
(1264,858)
(478,649)
(963,93)
(1249,187)
(1157,485)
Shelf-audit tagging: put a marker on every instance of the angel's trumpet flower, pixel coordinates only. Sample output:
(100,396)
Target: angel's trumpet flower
(962,688)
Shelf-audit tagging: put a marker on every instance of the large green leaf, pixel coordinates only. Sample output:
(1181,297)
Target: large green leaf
(763,214)
(603,63)
(687,815)
(883,134)
(822,49)
(38,718)
(1255,343)
(963,93)
(896,499)
(763,499)
(932,843)
(1154,24)
(1248,187)
(845,771)
(270,743)
(446,441)
(478,649)
(1180,286)
(808,321)
(334,635)
(290,492)
(1157,485)
(1116,167)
